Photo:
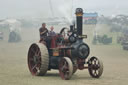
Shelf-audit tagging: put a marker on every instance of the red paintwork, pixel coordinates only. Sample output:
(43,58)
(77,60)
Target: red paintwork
(53,42)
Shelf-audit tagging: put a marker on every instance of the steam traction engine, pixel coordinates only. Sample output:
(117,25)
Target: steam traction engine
(66,52)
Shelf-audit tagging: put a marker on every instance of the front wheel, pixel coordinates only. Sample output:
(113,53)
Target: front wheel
(65,68)
(95,67)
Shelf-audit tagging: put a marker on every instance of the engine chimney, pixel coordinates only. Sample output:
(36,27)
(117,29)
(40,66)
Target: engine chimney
(79,20)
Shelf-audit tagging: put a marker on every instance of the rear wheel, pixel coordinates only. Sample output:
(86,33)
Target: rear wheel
(65,68)
(38,59)
(95,67)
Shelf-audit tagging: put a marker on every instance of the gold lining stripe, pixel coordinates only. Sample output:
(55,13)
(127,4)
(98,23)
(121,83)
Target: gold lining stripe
(79,14)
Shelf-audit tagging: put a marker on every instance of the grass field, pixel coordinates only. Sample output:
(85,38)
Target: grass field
(14,69)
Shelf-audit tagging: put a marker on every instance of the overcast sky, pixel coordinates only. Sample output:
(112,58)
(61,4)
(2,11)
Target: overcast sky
(41,8)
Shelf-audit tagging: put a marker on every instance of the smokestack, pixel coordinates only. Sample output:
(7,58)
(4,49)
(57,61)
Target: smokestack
(71,28)
(79,20)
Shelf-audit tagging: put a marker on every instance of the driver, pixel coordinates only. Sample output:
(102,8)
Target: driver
(43,32)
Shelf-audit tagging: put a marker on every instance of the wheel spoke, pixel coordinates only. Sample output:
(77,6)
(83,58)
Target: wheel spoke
(66,73)
(36,55)
(95,72)
(65,64)
(64,67)
(98,64)
(37,51)
(34,67)
(95,61)
(33,51)
(31,59)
